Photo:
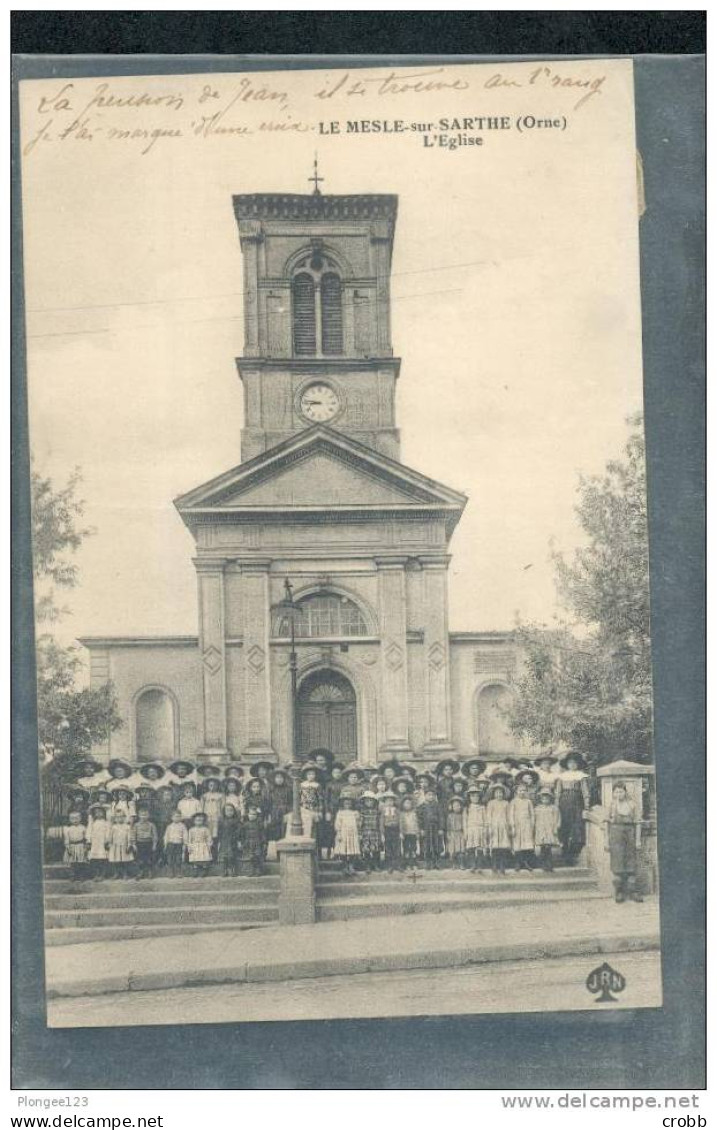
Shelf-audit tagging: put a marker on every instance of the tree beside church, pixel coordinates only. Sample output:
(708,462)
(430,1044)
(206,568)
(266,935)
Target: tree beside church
(71,719)
(588,683)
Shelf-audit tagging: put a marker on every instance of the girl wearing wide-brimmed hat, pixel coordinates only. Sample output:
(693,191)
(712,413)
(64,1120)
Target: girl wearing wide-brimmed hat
(547,825)
(280,802)
(546,765)
(180,771)
(312,798)
(498,826)
(572,791)
(347,844)
(455,835)
(370,830)
(522,827)
(473,768)
(353,778)
(474,827)
(212,803)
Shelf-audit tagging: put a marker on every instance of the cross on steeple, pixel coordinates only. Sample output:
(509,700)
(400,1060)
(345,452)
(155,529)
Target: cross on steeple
(316,178)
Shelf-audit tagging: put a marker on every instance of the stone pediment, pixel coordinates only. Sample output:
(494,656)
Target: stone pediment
(318,470)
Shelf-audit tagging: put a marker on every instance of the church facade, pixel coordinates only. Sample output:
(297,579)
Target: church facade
(320,498)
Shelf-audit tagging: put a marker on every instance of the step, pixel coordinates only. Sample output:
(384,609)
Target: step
(211,883)
(60,919)
(405,886)
(81,935)
(357,906)
(131,900)
(56,871)
(448,874)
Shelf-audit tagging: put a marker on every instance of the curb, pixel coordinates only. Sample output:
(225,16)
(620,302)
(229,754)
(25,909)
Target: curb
(257,971)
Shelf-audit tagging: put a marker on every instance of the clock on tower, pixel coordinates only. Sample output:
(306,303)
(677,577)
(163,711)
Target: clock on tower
(317,346)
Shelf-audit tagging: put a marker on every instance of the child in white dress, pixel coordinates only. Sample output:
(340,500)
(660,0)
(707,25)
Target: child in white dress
(199,845)
(474,824)
(121,847)
(347,844)
(98,838)
(73,836)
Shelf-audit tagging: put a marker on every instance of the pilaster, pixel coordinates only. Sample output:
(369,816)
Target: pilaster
(250,237)
(394,666)
(210,584)
(436,654)
(256,614)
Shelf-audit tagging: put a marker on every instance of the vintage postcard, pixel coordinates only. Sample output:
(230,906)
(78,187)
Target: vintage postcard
(344,681)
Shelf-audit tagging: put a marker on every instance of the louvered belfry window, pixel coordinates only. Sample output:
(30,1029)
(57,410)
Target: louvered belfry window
(304,311)
(317,312)
(332,337)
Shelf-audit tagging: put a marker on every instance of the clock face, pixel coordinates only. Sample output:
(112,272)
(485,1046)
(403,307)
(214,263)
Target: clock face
(319,403)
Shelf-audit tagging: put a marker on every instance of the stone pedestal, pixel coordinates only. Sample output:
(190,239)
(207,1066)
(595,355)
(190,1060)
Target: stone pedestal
(297,880)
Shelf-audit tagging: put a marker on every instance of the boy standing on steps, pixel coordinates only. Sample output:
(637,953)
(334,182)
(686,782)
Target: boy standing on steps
(145,842)
(390,821)
(429,822)
(175,844)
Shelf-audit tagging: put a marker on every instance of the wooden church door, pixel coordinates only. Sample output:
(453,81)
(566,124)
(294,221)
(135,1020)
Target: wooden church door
(326,715)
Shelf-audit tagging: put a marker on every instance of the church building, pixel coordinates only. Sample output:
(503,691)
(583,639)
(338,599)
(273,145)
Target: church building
(320,498)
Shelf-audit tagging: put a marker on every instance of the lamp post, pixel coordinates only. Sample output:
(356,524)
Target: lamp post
(296,826)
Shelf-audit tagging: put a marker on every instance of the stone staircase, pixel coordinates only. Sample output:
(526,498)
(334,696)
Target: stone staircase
(114,909)
(365,895)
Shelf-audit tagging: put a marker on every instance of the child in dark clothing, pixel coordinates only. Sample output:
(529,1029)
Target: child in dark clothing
(253,839)
(409,831)
(429,822)
(389,819)
(228,840)
(370,832)
(145,844)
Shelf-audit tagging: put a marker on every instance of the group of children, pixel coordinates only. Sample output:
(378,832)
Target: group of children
(205,818)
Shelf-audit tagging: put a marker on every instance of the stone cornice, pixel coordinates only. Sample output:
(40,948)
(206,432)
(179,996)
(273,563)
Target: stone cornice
(315,366)
(302,208)
(91,642)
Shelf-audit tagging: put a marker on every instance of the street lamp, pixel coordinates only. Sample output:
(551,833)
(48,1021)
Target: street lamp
(289,606)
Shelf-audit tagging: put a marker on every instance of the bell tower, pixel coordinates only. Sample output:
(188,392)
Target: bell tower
(317,328)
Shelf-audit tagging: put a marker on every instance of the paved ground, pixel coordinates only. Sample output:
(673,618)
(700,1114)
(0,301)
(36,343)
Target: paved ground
(417,941)
(552,984)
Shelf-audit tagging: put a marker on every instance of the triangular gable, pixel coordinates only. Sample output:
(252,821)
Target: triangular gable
(319,468)
(320,479)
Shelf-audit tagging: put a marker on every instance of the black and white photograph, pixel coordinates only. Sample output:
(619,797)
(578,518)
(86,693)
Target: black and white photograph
(340,543)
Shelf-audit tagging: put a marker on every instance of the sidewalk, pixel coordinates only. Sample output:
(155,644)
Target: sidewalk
(420,941)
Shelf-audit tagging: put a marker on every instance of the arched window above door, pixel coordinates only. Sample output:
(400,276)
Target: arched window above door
(324,615)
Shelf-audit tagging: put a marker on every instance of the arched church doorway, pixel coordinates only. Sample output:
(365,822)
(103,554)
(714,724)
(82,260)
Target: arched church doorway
(326,715)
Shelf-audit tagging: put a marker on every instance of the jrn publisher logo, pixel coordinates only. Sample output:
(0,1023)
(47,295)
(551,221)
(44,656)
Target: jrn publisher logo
(606,981)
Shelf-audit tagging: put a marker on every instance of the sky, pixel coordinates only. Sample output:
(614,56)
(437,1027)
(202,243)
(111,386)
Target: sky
(515,305)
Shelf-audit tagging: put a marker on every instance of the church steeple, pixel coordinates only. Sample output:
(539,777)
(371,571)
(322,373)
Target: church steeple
(317,338)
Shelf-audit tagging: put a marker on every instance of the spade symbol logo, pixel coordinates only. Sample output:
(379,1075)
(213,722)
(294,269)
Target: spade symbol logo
(605,980)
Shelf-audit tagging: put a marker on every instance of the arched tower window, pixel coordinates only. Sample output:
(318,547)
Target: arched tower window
(325,615)
(304,311)
(332,330)
(155,726)
(317,310)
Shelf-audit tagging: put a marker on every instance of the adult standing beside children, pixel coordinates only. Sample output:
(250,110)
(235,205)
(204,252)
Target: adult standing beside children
(572,790)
